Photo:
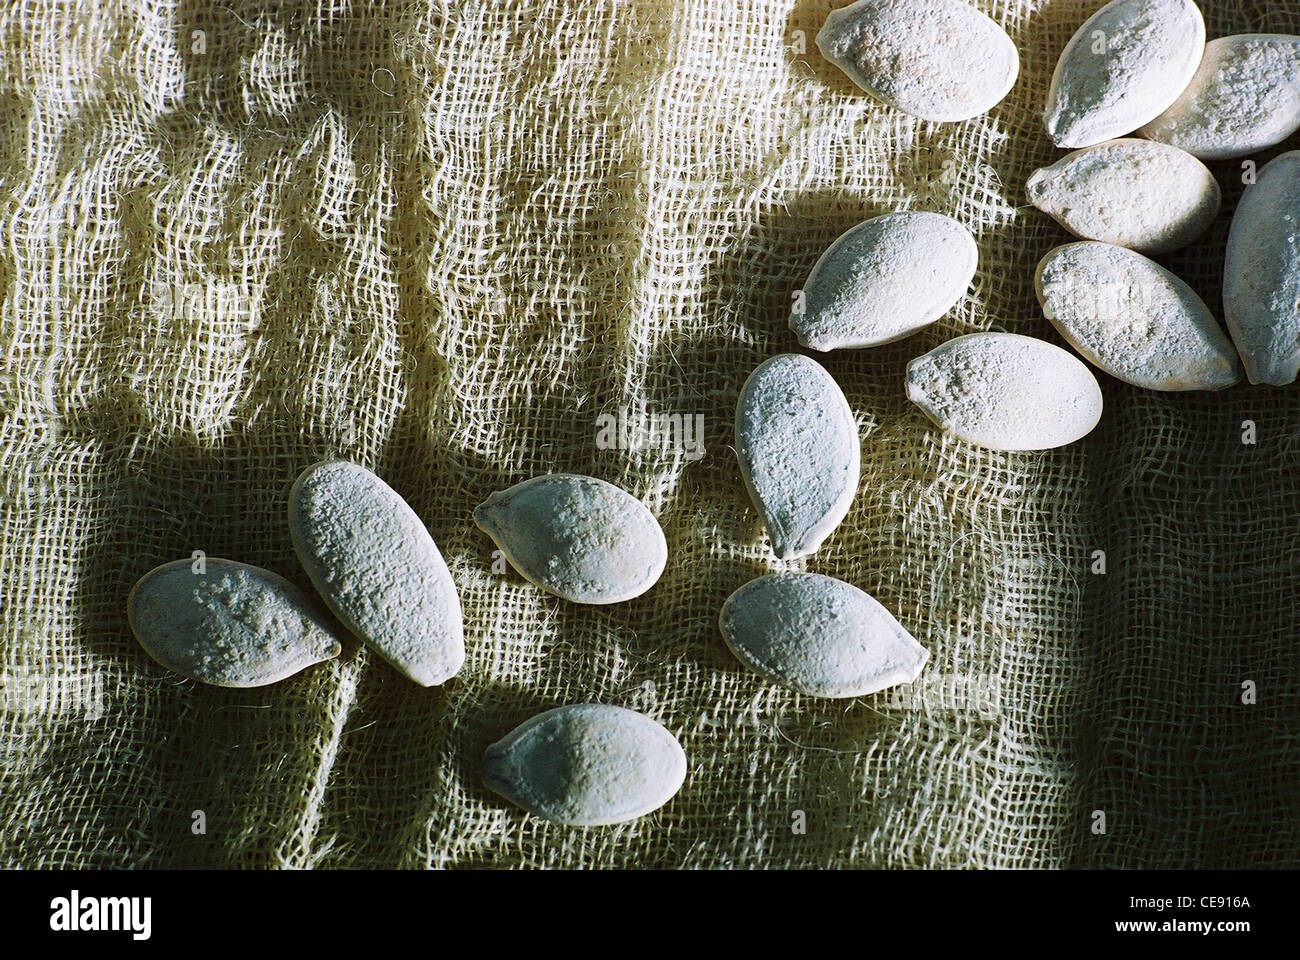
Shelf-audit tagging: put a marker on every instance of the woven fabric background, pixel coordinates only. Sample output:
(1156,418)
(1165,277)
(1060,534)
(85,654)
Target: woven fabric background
(443,238)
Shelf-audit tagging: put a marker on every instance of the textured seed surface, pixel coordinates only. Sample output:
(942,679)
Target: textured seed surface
(884,280)
(1134,319)
(1244,97)
(819,636)
(233,625)
(1005,391)
(586,765)
(933,59)
(378,569)
(1261,273)
(578,537)
(1124,67)
(799,453)
(1146,196)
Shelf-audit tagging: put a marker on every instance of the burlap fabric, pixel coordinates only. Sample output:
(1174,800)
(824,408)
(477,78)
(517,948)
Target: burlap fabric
(442,239)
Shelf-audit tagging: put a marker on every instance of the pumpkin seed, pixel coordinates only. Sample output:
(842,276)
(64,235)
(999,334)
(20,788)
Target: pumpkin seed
(799,452)
(1005,391)
(1261,273)
(934,59)
(883,280)
(1146,196)
(231,625)
(1124,67)
(819,636)
(1244,97)
(579,537)
(1134,319)
(378,569)
(586,765)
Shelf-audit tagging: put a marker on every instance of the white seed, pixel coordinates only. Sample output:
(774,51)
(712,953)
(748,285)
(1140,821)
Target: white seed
(1124,67)
(1261,273)
(1005,391)
(1146,196)
(933,59)
(799,453)
(579,537)
(378,569)
(1134,319)
(1244,97)
(883,280)
(586,765)
(819,636)
(233,625)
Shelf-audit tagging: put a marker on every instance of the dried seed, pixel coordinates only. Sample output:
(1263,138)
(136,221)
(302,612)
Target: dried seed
(586,765)
(1261,273)
(883,280)
(819,636)
(1005,391)
(378,569)
(578,537)
(1244,97)
(1146,196)
(1124,67)
(799,453)
(233,625)
(1134,319)
(934,59)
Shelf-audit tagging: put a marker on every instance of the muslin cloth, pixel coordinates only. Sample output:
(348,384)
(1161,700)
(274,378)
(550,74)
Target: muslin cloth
(443,239)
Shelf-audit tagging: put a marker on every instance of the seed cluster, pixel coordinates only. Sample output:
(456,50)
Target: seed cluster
(1134,66)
